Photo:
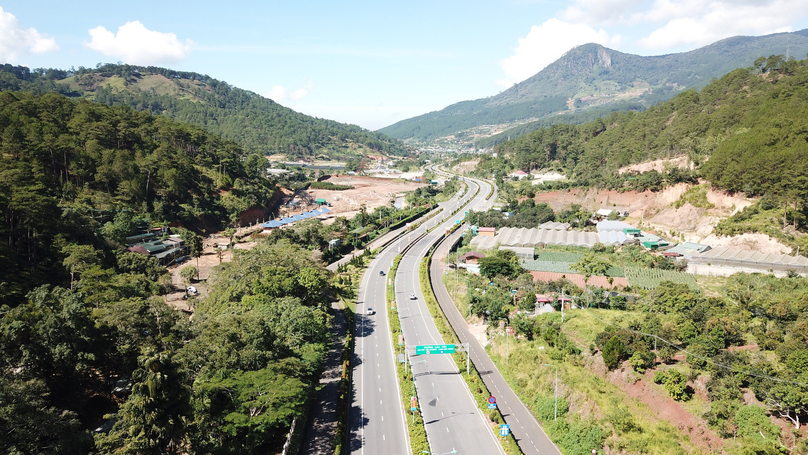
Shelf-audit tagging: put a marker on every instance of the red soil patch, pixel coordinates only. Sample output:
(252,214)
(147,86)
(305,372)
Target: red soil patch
(664,407)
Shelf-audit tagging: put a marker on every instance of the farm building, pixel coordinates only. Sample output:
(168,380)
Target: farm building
(487,231)
(472,257)
(518,174)
(686,248)
(726,261)
(522,252)
(554,225)
(580,280)
(525,237)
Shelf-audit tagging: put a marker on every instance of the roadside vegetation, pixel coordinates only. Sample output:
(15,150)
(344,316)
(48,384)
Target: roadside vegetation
(726,358)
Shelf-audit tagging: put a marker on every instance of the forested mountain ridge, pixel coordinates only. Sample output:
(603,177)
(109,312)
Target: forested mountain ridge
(746,132)
(257,123)
(594,78)
(67,167)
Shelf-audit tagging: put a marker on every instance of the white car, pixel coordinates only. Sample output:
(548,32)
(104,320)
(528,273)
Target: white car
(370,311)
(412,296)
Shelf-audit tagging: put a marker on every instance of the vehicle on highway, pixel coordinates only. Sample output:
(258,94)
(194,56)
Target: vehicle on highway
(412,296)
(381,272)
(370,311)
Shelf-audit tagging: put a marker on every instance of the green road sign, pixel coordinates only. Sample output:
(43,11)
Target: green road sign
(435,349)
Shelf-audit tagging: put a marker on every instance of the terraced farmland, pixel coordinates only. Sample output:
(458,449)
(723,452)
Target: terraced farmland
(650,278)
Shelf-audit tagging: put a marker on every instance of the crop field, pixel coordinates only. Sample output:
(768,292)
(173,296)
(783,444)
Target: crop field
(558,256)
(650,278)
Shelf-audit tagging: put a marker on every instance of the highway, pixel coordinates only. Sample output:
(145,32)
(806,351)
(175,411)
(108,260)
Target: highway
(452,420)
(376,416)
(525,428)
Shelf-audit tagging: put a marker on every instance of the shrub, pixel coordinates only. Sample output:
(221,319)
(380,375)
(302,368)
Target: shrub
(675,383)
(613,352)
(641,360)
(545,407)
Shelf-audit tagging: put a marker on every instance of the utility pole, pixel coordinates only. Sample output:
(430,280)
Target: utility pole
(556,389)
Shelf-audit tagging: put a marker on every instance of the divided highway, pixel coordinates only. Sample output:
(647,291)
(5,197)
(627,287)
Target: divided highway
(525,428)
(452,420)
(376,417)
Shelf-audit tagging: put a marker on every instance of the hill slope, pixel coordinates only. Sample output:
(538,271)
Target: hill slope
(594,78)
(257,123)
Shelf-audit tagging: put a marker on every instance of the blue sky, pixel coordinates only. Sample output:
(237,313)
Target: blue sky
(371,63)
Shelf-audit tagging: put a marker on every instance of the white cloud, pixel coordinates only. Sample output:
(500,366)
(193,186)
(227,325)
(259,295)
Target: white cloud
(698,23)
(599,12)
(16,40)
(302,92)
(276,93)
(135,44)
(545,43)
(279,93)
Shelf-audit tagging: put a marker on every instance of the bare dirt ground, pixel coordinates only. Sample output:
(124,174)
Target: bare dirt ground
(658,165)
(656,213)
(373,192)
(465,167)
(661,405)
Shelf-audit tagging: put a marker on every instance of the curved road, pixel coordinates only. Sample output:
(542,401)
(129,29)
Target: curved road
(525,428)
(376,417)
(452,420)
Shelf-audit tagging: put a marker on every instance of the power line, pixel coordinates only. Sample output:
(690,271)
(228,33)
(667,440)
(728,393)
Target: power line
(706,359)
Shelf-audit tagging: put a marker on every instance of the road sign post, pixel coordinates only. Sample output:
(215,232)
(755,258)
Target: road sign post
(504,430)
(434,349)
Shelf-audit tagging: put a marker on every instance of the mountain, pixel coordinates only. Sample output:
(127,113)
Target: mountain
(747,131)
(592,80)
(257,123)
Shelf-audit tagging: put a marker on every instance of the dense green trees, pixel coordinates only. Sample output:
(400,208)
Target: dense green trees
(230,382)
(85,171)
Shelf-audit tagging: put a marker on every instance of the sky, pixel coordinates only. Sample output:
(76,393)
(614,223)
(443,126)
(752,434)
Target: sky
(370,63)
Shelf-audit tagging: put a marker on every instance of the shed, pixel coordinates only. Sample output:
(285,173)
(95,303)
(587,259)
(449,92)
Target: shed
(518,174)
(471,257)
(487,231)
(320,201)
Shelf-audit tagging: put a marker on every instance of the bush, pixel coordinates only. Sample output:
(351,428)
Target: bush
(329,186)
(641,360)
(545,407)
(675,383)
(613,352)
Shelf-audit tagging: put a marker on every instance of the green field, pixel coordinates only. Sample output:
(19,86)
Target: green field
(650,278)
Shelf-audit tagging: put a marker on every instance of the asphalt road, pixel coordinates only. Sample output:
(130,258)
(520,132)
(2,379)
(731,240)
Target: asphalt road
(526,430)
(452,420)
(376,417)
